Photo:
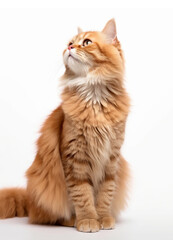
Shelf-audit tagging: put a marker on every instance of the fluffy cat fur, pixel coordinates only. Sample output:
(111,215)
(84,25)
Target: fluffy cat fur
(79,177)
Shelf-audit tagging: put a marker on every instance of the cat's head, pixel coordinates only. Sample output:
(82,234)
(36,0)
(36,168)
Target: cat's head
(94,52)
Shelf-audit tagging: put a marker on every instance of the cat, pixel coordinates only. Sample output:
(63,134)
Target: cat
(79,177)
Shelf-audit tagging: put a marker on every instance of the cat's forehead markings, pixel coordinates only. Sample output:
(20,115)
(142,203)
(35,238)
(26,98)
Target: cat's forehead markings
(79,39)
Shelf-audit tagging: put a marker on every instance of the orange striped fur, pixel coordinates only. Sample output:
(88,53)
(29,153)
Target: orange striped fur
(79,177)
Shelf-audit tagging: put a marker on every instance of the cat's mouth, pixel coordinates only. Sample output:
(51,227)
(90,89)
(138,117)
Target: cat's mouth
(72,56)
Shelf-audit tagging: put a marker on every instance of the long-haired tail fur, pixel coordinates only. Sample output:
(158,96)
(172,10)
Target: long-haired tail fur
(13,203)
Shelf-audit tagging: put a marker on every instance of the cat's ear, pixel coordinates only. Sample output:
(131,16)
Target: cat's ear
(79,30)
(110,30)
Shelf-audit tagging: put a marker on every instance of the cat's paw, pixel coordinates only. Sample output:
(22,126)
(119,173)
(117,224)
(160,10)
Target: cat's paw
(107,222)
(88,225)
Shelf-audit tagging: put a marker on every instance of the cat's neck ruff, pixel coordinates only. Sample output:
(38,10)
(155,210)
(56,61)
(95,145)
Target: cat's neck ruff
(90,88)
(93,102)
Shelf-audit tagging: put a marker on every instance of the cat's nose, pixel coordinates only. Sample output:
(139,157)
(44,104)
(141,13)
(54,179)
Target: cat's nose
(70,47)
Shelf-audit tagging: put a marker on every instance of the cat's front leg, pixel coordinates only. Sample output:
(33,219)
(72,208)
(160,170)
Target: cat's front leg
(81,193)
(105,196)
(104,200)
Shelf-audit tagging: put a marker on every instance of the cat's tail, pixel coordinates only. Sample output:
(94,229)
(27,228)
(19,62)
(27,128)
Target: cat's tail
(13,203)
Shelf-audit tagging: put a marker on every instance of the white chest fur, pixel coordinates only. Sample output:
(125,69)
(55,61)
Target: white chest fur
(91,88)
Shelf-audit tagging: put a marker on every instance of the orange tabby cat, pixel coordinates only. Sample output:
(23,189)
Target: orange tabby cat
(79,177)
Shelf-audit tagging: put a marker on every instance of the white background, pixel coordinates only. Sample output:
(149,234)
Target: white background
(31,45)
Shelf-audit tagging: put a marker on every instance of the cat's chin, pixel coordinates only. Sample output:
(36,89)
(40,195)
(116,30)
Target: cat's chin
(70,59)
(78,68)
(75,64)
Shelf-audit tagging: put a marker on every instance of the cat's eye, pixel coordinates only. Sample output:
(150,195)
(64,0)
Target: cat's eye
(87,42)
